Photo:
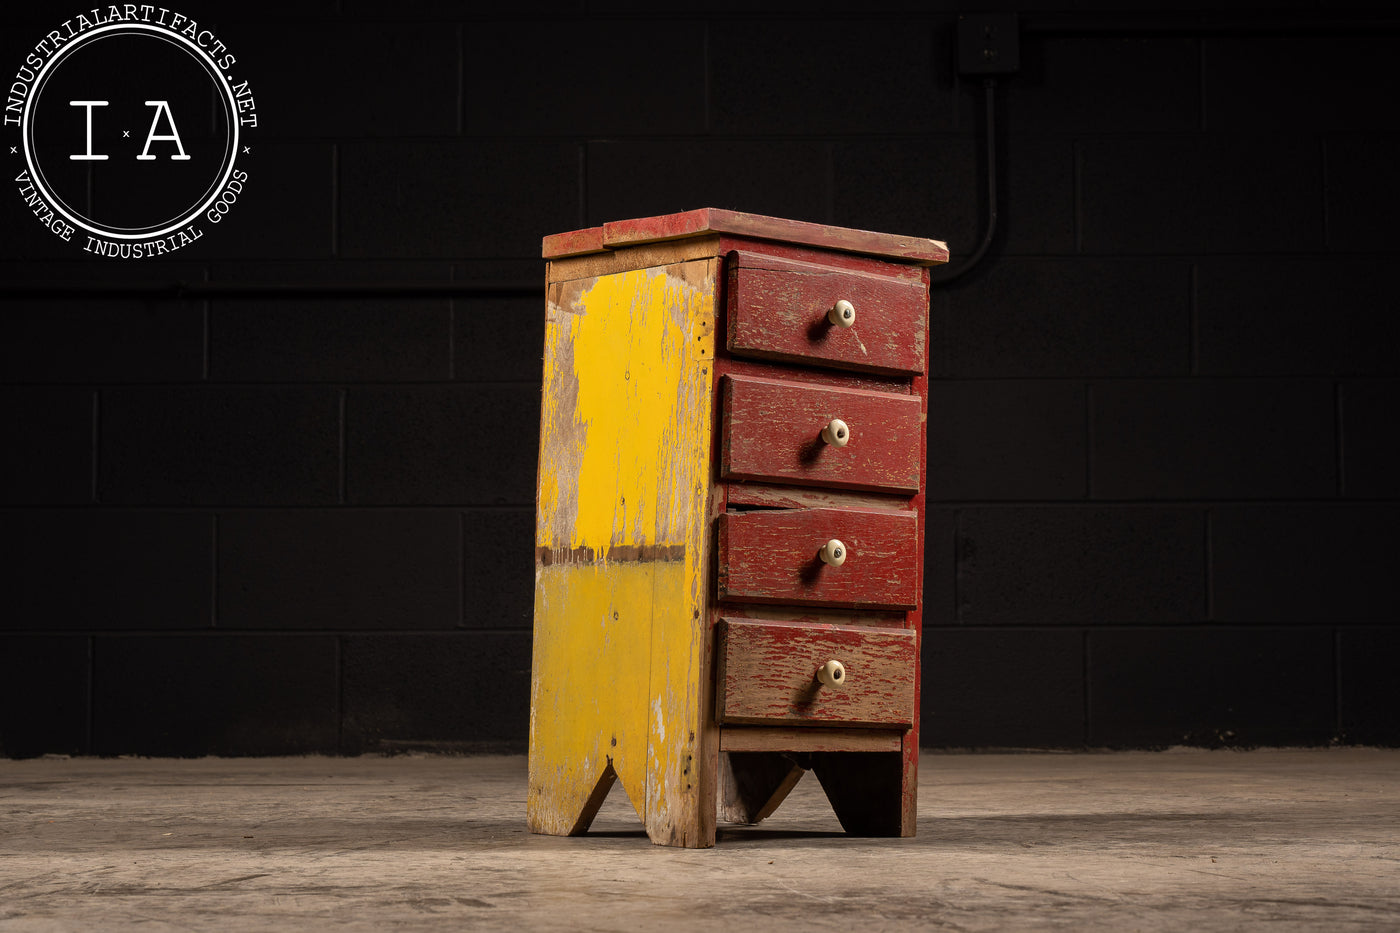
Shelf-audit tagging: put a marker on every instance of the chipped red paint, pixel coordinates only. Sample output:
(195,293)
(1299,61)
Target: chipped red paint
(771,430)
(777,310)
(771,557)
(768,671)
(618,234)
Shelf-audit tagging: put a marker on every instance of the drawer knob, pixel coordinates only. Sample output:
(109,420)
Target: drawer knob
(833,552)
(832,674)
(842,314)
(836,433)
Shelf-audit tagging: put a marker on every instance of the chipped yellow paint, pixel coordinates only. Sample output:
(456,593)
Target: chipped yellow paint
(621,520)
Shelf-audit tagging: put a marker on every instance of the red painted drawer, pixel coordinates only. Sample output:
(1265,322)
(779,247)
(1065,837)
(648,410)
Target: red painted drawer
(767,673)
(771,430)
(771,556)
(777,310)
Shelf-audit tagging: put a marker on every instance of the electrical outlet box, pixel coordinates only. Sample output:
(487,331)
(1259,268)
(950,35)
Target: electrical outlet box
(988,44)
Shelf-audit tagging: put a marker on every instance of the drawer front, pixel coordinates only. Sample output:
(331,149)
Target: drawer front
(768,673)
(772,430)
(777,309)
(773,556)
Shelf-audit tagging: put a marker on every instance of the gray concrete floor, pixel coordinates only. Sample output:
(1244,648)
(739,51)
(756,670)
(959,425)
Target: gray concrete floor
(1283,840)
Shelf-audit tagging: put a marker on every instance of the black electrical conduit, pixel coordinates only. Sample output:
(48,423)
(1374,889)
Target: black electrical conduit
(938,276)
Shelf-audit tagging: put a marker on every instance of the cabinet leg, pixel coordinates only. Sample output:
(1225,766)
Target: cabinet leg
(567,808)
(753,784)
(871,792)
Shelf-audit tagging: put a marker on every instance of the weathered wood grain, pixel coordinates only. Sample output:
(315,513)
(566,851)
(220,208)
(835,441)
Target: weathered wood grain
(771,556)
(777,310)
(617,234)
(771,430)
(767,673)
(807,739)
(762,495)
(622,528)
(753,784)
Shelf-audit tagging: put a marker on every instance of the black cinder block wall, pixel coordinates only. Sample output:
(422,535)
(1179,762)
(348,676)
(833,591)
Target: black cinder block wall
(288,508)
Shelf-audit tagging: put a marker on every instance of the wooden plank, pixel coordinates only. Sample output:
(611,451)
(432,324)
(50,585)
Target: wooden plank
(879,618)
(916,250)
(767,673)
(573,243)
(622,524)
(771,430)
(753,784)
(762,495)
(778,310)
(807,739)
(771,557)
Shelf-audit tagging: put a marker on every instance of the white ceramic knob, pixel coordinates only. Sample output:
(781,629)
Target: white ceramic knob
(842,314)
(832,674)
(833,552)
(836,433)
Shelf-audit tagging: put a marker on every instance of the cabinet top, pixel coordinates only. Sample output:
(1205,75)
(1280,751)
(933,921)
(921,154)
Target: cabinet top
(708,220)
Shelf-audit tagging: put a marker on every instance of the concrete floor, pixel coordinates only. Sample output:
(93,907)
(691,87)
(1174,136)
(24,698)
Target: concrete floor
(1182,840)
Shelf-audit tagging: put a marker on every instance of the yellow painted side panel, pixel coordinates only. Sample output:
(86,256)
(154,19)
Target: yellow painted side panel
(621,525)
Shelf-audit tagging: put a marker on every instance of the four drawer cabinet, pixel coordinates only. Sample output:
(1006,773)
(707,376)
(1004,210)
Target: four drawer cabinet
(729,523)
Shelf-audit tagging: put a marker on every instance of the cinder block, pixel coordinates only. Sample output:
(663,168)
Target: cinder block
(330,340)
(925,187)
(182,696)
(940,566)
(1370,441)
(1301,85)
(1201,195)
(284,211)
(1362,190)
(43,695)
(436,198)
(1329,316)
(70,569)
(102,340)
(1306,563)
(1002,440)
(47,436)
(828,77)
(1105,84)
(587,77)
(1213,687)
(498,339)
(1370,695)
(393,77)
(498,568)
(462,692)
(1213,439)
(219,445)
(1002,688)
(342,569)
(643,178)
(1070,317)
(1036,209)
(1079,565)
(448,445)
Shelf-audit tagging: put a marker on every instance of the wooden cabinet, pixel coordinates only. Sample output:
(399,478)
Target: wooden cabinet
(730,522)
